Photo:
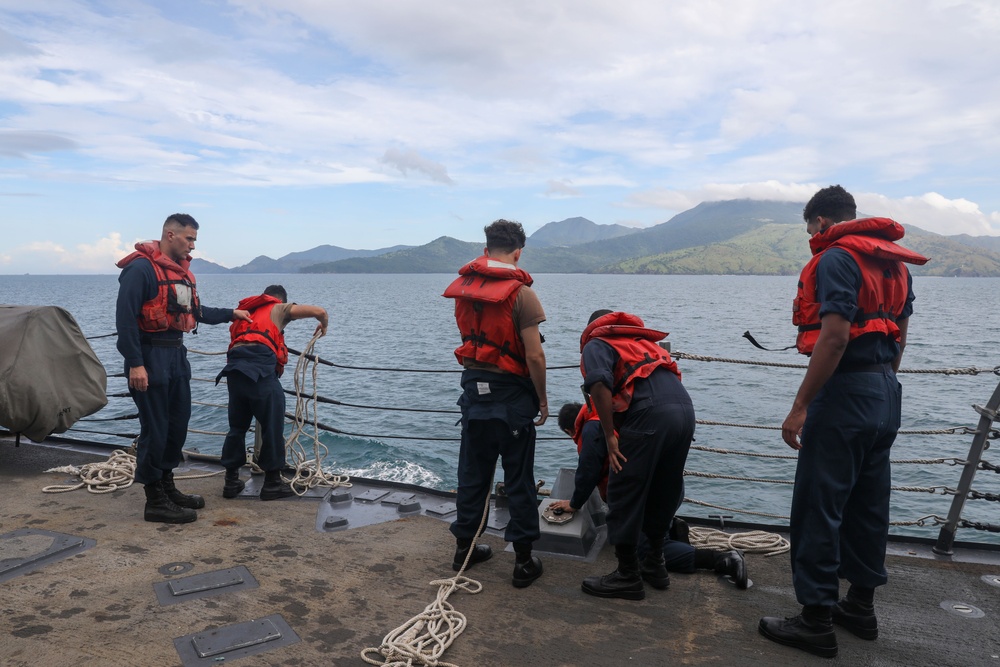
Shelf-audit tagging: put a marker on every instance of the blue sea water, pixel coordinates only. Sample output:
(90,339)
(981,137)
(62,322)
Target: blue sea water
(401,321)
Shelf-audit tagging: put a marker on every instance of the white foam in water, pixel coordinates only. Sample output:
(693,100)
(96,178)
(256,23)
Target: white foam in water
(404,472)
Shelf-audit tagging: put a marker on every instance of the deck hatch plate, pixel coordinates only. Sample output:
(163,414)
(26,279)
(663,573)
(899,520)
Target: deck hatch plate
(206,584)
(398,498)
(212,647)
(442,510)
(371,496)
(27,549)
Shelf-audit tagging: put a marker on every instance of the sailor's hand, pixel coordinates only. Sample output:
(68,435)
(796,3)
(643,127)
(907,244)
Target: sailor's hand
(615,456)
(562,505)
(543,414)
(791,428)
(138,378)
(324,322)
(241,315)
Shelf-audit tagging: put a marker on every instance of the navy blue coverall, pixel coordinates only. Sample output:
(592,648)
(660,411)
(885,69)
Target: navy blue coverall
(165,407)
(840,504)
(497,414)
(654,434)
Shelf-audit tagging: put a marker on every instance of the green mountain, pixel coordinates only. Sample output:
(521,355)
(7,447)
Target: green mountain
(574,231)
(294,261)
(442,255)
(203,266)
(988,242)
(739,237)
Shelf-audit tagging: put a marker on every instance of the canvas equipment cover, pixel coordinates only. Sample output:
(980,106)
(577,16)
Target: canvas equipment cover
(49,375)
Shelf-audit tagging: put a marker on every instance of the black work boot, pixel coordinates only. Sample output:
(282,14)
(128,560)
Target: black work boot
(274,487)
(159,506)
(481,553)
(178,498)
(653,567)
(234,485)
(625,582)
(856,616)
(527,568)
(733,564)
(810,631)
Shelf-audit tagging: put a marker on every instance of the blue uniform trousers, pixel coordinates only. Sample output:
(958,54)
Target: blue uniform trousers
(164,412)
(263,399)
(840,505)
(655,437)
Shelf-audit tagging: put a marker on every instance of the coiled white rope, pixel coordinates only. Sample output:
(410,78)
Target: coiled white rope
(118,472)
(309,473)
(751,542)
(423,639)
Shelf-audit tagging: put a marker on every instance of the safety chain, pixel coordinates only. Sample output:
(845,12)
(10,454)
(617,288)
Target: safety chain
(980,495)
(984,465)
(942,371)
(930,519)
(991,527)
(738,511)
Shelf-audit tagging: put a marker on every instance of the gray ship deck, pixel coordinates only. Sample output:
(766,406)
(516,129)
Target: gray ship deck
(340,592)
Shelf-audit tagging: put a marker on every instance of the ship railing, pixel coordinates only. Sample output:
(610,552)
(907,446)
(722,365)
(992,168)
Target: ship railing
(949,525)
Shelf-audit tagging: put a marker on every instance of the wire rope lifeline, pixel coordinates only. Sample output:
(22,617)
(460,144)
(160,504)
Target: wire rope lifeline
(423,639)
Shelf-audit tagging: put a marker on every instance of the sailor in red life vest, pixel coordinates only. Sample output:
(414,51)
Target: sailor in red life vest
(256,359)
(157,304)
(854,302)
(582,424)
(648,424)
(503,390)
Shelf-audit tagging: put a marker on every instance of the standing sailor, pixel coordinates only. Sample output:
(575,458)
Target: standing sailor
(256,359)
(158,303)
(854,301)
(503,389)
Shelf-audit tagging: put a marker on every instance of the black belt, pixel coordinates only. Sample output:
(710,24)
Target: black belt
(161,342)
(864,368)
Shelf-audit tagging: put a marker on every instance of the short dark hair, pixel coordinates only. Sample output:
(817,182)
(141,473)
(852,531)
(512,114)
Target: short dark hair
(567,416)
(504,236)
(599,313)
(182,219)
(277,291)
(832,202)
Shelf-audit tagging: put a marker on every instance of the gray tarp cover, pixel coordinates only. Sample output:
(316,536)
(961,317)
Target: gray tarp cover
(49,375)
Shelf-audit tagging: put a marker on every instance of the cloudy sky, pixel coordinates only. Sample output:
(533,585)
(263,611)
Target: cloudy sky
(283,125)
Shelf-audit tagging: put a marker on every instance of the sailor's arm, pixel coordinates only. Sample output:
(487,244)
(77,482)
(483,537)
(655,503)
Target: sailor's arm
(903,325)
(534,357)
(301,312)
(134,284)
(834,334)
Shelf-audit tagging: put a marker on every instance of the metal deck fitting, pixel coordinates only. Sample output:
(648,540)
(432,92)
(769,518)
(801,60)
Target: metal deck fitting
(28,549)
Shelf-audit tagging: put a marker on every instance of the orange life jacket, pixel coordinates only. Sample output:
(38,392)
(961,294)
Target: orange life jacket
(484,295)
(638,353)
(261,329)
(176,301)
(587,415)
(883,278)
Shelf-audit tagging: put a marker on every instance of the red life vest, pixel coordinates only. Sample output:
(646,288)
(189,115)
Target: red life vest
(261,329)
(883,278)
(638,353)
(587,415)
(176,300)
(484,295)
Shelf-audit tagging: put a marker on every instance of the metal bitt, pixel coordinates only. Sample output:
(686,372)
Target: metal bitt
(988,415)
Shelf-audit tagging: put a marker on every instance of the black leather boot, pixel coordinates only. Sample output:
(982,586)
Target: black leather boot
(526,570)
(856,617)
(733,564)
(481,553)
(624,583)
(178,498)
(810,631)
(653,567)
(159,507)
(274,487)
(234,485)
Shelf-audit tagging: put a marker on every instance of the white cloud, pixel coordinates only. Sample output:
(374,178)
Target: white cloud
(96,257)
(560,190)
(410,160)
(933,213)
